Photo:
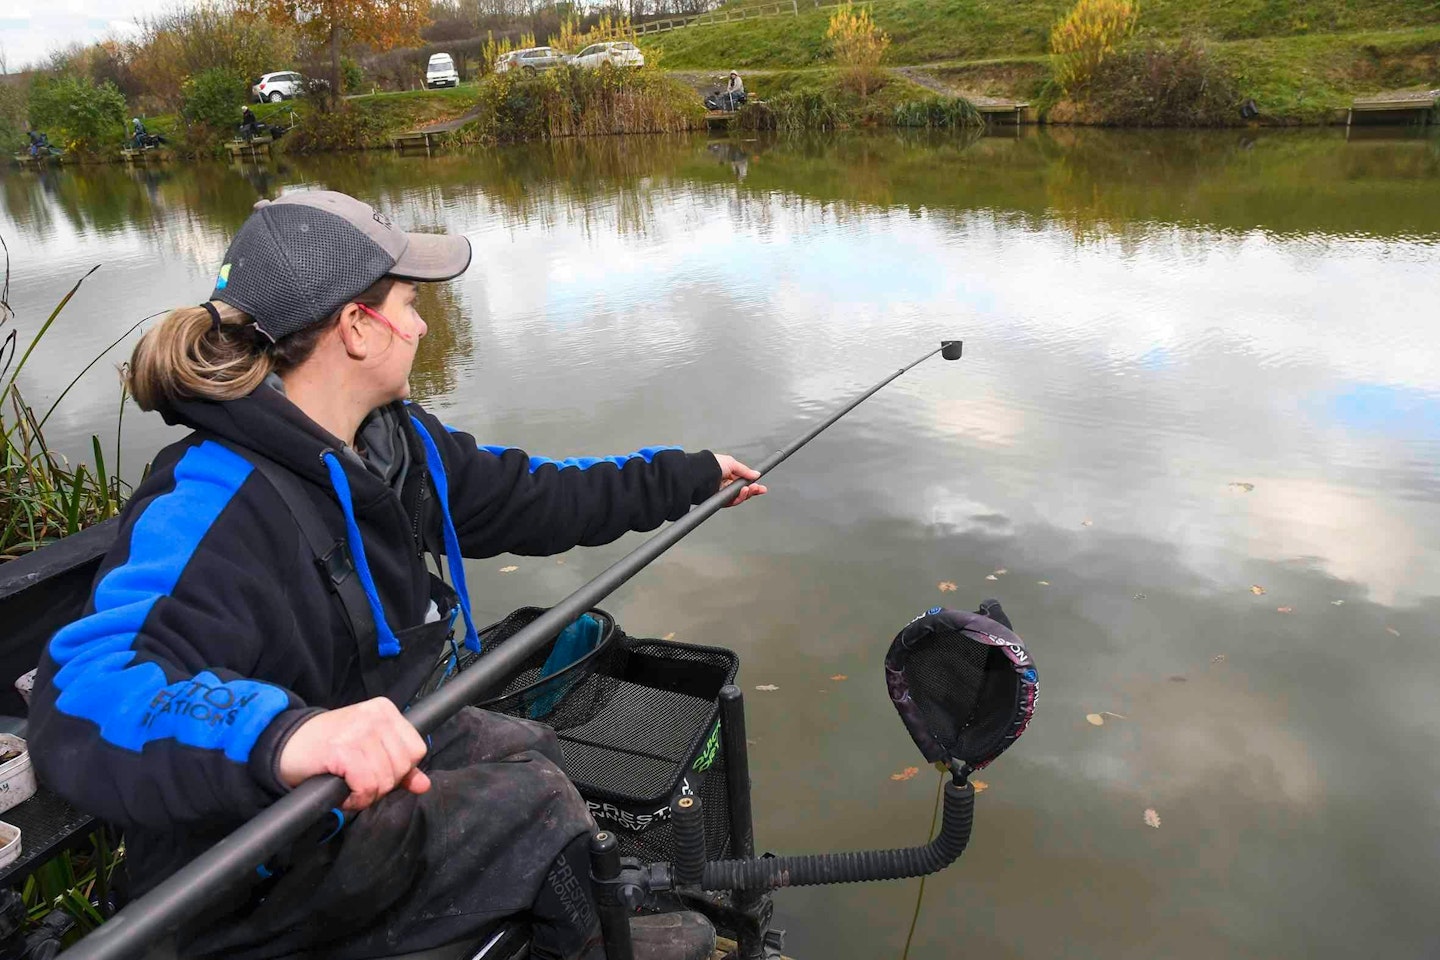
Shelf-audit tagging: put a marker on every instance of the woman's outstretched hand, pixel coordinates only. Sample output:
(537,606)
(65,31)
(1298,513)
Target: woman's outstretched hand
(732,470)
(370,744)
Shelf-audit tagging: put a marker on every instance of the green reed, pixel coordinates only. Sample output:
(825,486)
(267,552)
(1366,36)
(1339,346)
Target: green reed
(43,496)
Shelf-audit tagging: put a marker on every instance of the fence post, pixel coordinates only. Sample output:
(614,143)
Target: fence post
(795,6)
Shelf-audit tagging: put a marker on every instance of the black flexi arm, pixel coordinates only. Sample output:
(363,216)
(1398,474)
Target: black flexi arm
(825,868)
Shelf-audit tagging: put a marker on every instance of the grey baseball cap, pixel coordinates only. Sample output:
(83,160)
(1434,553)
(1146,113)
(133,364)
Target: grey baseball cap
(298,259)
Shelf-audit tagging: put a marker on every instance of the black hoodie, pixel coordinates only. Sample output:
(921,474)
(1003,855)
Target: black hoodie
(210,633)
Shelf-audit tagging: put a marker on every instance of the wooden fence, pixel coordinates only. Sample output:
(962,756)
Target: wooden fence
(763,11)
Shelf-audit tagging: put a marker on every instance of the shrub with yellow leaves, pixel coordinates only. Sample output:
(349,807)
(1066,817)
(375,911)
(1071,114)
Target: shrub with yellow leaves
(494,49)
(1089,33)
(859,47)
(572,39)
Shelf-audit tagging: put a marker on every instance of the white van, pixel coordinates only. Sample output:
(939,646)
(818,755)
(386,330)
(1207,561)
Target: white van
(440,72)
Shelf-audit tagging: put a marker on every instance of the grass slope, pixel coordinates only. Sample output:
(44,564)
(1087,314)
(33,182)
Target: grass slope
(924,31)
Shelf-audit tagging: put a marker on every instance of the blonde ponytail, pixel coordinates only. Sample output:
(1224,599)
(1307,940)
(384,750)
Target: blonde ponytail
(186,357)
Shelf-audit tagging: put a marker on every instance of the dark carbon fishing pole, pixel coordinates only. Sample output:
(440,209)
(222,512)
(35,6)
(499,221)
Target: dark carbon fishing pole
(232,861)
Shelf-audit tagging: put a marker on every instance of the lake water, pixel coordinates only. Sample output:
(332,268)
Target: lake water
(1196,365)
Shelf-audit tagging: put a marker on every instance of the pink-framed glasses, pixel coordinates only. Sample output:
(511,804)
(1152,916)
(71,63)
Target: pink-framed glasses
(386,320)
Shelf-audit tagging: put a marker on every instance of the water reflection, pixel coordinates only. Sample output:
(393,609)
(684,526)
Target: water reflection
(1151,319)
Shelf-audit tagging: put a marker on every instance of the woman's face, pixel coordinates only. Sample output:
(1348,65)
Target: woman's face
(392,365)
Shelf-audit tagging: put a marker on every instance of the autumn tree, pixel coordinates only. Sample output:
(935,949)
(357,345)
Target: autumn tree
(1088,34)
(379,24)
(859,46)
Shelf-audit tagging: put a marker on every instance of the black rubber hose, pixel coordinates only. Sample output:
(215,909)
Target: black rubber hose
(771,872)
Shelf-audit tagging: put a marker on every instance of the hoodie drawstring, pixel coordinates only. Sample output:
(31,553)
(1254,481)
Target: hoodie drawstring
(453,557)
(389,644)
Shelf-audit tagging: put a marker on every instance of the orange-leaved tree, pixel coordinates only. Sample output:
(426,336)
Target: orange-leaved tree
(1089,33)
(859,46)
(380,24)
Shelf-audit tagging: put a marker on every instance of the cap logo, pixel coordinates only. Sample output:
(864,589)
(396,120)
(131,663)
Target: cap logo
(223,281)
(383,220)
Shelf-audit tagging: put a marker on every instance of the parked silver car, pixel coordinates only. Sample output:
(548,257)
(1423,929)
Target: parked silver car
(531,60)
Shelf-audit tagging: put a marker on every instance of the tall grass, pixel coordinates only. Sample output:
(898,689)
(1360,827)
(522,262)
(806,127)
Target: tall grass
(576,102)
(794,111)
(938,112)
(43,497)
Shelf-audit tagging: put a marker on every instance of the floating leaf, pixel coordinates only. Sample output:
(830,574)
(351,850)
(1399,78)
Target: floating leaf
(1086,523)
(980,785)
(1284,609)
(767,687)
(561,561)
(946,586)
(906,774)
(838,677)
(1139,596)
(1152,819)
(1242,487)
(510,569)
(991,576)
(1256,589)
(1337,603)
(1001,572)
(1392,631)
(1043,583)
(669,636)
(1095,719)
(1178,679)
(1218,658)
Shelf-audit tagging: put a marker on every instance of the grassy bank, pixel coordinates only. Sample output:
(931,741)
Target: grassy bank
(1301,62)
(566,103)
(927,31)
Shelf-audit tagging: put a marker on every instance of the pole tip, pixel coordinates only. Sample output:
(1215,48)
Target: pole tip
(950,349)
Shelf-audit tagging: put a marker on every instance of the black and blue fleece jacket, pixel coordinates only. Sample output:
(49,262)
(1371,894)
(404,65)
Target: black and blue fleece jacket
(210,633)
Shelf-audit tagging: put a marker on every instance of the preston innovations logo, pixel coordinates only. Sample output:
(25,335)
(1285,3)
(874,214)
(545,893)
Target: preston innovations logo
(711,750)
(223,281)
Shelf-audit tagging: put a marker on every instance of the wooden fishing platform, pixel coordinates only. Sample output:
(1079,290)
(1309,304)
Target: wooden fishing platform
(253,148)
(25,160)
(720,118)
(147,155)
(1412,106)
(999,110)
(428,136)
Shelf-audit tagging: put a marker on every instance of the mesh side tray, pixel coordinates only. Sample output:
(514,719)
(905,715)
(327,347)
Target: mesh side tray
(657,734)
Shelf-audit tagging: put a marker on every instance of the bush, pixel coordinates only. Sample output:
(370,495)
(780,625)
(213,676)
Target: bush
(77,111)
(938,112)
(343,128)
(1089,33)
(1162,84)
(859,47)
(192,39)
(352,75)
(212,100)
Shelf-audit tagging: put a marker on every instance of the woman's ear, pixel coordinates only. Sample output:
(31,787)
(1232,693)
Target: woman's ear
(353,332)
